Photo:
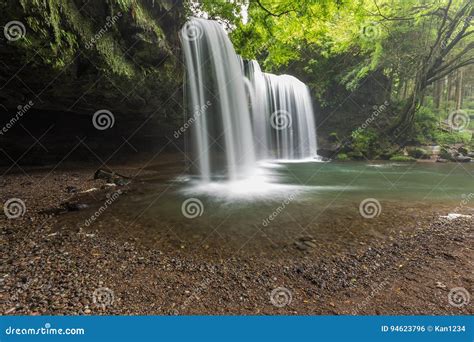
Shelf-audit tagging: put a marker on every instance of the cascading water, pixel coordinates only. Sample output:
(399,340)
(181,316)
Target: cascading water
(240,114)
(260,109)
(220,107)
(292,117)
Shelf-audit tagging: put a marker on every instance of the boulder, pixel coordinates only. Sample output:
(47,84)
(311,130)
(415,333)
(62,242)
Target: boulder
(462,159)
(329,150)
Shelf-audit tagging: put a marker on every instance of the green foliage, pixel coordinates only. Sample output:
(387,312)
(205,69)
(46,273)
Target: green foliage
(425,126)
(427,130)
(342,156)
(356,155)
(449,138)
(365,142)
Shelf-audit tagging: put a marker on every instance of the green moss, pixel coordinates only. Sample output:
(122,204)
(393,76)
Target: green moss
(70,31)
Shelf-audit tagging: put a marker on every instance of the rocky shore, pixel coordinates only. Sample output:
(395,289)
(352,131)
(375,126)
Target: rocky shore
(72,271)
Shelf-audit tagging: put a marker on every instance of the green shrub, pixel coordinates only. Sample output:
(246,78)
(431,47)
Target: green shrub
(357,155)
(364,142)
(425,126)
(449,138)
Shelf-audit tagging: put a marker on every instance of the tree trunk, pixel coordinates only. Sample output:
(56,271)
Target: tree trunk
(459,89)
(437,93)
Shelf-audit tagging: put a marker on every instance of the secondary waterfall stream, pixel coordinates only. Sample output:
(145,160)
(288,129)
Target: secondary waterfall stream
(239,114)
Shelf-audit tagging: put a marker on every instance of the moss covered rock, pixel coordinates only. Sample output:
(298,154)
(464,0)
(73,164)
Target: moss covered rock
(418,153)
(80,56)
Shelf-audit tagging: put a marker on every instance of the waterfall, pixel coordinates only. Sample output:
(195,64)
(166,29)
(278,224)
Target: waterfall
(237,113)
(291,118)
(259,108)
(220,109)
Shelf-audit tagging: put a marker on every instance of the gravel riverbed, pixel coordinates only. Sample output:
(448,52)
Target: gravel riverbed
(46,269)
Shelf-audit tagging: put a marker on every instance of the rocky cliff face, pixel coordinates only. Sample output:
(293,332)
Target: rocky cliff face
(64,60)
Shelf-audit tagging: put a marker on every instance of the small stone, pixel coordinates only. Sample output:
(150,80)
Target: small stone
(310,244)
(301,246)
(10,310)
(71,189)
